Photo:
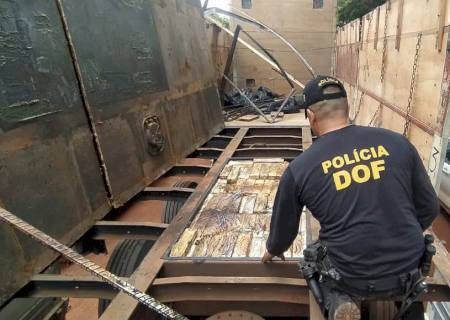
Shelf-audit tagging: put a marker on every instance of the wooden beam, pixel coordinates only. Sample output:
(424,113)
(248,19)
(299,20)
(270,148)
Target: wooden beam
(123,307)
(398,36)
(306,138)
(441,24)
(442,263)
(377,28)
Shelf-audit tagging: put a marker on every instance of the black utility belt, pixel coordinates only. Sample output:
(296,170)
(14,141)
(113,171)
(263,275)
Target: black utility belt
(391,285)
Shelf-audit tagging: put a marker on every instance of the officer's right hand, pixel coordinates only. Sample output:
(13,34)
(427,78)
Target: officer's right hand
(269,257)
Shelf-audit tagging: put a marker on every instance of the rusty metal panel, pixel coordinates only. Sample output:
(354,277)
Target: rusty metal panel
(117,48)
(141,60)
(49,170)
(142,72)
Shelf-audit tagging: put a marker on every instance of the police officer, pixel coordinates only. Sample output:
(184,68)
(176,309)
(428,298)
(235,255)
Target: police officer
(370,192)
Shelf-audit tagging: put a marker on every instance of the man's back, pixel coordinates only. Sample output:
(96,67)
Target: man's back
(371,195)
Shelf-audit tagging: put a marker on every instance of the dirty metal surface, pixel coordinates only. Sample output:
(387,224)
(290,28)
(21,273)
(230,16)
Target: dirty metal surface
(124,308)
(89,266)
(49,169)
(149,93)
(152,101)
(235,217)
(126,60)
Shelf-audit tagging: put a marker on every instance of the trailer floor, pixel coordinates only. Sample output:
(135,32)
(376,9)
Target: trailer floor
(204,286)
(289,120)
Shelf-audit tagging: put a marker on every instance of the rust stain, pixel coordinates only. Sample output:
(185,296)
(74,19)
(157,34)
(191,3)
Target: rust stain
(185,68)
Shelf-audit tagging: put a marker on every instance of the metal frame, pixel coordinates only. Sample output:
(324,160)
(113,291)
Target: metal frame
(249,19)
(278,69)
(267,289)
(126,230)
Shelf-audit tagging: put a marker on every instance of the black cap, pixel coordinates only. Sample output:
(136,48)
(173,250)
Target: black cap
(313,91)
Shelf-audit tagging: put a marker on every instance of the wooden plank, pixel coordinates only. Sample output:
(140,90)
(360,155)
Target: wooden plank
(248,186)
(441,24)
(180,249)
(268,160)
(265,168)
(247,204)
(377,28)
(225,247)
(442,261)
(226,171)
(257,247)
(297,247)
(234,174)
(220,186)
(306,137)
(248,118)
(277,170)
(399,24)
(268,184)
(256,169)
(242,247)
(261,205)
(244,172)
(229,203)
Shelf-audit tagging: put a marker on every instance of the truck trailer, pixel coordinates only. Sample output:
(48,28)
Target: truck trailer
(113,142)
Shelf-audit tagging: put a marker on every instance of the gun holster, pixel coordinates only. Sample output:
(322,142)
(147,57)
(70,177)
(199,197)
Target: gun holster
(315,266)
(419,287)
(312,267)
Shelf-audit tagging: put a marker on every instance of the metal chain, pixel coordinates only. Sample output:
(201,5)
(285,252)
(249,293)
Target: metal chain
(358,109)
(412,86)
(361,35)
(372,121)
(91,267)
(384,54)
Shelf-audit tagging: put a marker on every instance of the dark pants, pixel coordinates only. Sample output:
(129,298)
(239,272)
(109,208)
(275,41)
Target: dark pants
(334,296)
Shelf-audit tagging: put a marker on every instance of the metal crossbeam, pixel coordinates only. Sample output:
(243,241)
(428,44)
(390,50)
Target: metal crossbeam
(88,265)
(126,230)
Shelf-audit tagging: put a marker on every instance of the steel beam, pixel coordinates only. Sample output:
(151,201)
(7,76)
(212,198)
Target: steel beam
(123,307)
(212,149)
(286,153)
(54,286)
(165,193)
(169,290)
(218,142)
(264,309)
(228,268)
(188,170)
(271,131)
(272,139)
(219,136)
(206,153)
(229,61)
(126,230)
(230,288)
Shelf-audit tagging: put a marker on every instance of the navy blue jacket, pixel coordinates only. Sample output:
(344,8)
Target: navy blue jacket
(370,192)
